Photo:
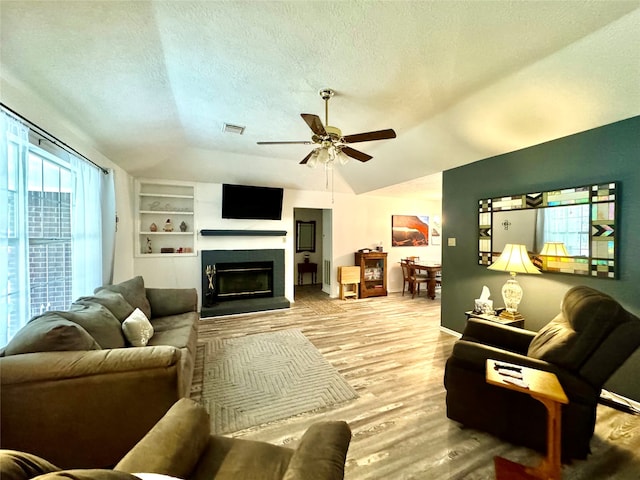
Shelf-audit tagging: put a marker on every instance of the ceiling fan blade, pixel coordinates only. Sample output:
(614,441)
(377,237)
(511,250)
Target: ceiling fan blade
(306,159)
(315,124)
(302,142)
(369,136)
(358,155)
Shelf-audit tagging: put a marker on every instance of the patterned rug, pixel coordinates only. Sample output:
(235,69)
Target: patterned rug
(257,379)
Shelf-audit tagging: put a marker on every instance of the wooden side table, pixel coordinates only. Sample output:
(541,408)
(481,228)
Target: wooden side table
(544,387)
(349,279)
(495,318)
(307,267)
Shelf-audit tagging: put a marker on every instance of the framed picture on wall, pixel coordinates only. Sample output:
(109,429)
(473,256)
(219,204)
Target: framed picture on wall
(409,230)
(435,231)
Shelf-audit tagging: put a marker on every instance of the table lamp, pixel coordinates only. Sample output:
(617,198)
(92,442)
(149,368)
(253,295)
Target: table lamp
(513,259)
(554,249)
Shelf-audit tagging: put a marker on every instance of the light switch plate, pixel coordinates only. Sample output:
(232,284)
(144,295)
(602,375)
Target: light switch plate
(451,241)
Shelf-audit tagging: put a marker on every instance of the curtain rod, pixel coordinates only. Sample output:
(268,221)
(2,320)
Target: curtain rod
(52,138)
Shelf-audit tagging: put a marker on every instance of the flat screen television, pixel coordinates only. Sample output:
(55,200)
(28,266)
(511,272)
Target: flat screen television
(249,202)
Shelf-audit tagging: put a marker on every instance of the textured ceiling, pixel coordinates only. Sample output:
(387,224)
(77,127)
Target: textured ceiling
(153,82)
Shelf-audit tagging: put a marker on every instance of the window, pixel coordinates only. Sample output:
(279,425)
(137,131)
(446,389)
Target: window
(569,225)
(49,227)
(52,228)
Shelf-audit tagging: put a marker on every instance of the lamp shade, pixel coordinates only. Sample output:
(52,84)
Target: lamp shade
(554,249)
(514,258)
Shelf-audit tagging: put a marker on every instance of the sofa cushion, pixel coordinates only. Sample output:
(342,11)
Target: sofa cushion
(114,301)
(176,330)
(137,329)
(154,476)
(87,474)
(133,291)
(50,332)
(554,342)
(16,465)
(586,319)
(98,321)
(174,445)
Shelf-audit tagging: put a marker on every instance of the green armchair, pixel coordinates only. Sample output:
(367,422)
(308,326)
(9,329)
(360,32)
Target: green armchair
(583,345)
(180,445)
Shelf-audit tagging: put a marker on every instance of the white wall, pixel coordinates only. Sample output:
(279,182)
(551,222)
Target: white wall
(359,221)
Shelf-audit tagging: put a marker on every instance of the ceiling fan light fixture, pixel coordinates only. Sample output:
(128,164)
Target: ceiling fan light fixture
(342,158)
(323,155)
(313,159)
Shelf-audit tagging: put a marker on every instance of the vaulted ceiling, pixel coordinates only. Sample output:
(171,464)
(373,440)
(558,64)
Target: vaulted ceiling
(153,82)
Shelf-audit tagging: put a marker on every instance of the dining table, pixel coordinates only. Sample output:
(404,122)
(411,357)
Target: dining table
(432,270)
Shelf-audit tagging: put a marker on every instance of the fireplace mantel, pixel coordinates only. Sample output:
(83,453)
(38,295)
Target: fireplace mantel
(243,233)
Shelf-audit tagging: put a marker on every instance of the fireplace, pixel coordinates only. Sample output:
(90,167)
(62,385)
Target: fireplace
(244,280)
(241,281)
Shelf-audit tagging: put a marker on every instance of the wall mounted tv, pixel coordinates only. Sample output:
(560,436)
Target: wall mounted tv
(248,202)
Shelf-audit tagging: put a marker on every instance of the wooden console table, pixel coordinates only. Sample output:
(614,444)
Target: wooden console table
(307,267)
(544,387)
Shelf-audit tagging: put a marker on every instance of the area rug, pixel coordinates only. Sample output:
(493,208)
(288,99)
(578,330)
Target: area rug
(261,378)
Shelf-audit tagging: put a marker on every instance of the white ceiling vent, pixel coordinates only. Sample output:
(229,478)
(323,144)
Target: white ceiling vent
(230,128)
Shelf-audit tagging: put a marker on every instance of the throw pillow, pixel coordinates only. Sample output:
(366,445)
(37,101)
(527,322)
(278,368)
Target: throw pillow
(114,301)
(16,465)
(50,332)
(137,328)
(98,321)
(133,291)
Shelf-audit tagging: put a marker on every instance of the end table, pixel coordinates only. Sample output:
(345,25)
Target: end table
(495,318)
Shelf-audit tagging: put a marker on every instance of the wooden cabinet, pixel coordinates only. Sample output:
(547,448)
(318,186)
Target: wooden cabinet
(165,219)
(373,273)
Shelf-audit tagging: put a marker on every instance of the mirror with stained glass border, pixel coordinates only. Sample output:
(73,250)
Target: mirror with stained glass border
(567,231)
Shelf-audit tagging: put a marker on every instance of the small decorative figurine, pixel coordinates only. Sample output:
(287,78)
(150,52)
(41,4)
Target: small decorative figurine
(168,226)
(183,227)
(153,227)
(149,250)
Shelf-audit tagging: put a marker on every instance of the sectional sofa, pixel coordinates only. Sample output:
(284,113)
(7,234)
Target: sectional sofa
(76,390)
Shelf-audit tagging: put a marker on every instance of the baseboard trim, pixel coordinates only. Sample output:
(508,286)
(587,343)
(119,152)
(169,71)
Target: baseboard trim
(448,331)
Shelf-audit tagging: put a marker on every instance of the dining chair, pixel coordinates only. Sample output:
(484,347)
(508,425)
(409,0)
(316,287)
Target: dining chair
(412,277)
(406,277)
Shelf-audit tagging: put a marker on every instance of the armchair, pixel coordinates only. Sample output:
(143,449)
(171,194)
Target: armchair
(181,446)
(583,345)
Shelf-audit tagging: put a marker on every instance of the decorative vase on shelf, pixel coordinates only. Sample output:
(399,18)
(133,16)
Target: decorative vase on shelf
(149,249)
(183,227)
(168,226)
(153,227)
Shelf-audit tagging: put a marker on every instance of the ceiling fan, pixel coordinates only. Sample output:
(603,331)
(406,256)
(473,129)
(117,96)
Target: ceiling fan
(332,145)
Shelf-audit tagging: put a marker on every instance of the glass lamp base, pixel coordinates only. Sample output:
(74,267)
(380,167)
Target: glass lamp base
(512,294)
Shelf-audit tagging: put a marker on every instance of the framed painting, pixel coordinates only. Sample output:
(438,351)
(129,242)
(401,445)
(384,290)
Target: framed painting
(409,230)
(436,229)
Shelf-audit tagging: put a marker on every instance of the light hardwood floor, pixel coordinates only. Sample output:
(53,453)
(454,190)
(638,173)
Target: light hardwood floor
(392,351)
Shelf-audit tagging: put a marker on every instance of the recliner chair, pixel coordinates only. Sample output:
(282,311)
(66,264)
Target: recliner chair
(583,345)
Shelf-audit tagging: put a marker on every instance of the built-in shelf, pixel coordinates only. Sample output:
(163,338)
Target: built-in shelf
(243,233)
(157,203)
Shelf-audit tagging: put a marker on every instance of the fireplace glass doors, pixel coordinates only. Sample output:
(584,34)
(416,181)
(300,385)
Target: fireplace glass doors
(244,280)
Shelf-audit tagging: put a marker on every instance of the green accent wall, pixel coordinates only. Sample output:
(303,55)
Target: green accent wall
(604,154)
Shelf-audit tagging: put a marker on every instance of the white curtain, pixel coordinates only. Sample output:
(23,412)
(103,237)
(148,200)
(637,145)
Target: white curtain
(14,238)
(86,227)
(108,203)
